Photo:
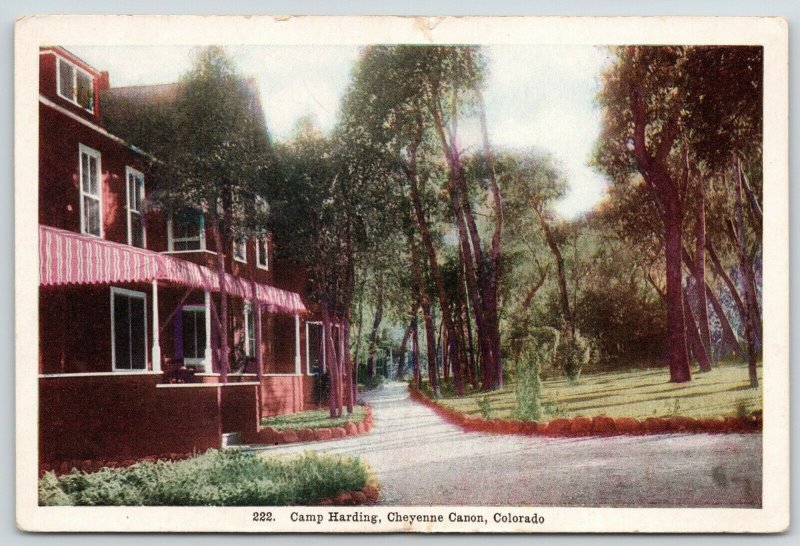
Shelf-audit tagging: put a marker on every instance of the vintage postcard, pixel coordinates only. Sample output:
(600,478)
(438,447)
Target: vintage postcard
(396,274)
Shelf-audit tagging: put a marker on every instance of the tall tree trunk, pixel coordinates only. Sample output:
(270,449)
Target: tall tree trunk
(348,383)
(676,329)
(755,208)
(722,274)
(425,303)
(415,351)
(373,333)
(700,270)
(746,275)
(224,349)
(401,356)
(569,322)
(427,243)
(333,371)
(728,335)
(693,338)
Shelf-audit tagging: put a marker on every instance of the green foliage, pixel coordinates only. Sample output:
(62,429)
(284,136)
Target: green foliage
(485,407)
(529,387)
(572,354)
(313,419)
(216,478)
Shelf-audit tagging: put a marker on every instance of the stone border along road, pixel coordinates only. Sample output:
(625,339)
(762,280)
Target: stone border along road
(420,460)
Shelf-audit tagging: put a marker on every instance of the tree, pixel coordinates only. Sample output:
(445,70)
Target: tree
(213,154)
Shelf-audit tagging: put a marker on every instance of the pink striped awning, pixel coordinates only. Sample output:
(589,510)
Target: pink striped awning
(66,258)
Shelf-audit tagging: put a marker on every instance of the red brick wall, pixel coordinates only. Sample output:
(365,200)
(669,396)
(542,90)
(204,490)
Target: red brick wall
(128,416)
(286,394)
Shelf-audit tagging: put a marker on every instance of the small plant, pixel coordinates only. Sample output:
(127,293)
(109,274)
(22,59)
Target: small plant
(529,386)
(572,354)
(553,409)
(742,408)
(485,407)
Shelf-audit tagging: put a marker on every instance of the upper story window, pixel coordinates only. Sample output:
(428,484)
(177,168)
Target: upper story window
(186,231)
(135,198)
(75,85)
(262,253)
(91,191)
(240,250)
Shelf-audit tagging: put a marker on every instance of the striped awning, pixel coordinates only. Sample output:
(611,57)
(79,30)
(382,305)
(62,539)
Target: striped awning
(68,258)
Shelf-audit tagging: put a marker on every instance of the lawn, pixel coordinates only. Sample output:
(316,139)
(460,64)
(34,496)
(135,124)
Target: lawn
(724,391)
(215,478)
(313,419)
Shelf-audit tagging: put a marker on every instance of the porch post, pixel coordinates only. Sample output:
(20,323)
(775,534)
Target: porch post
(259,352)
(155,351)
(209,356)
(297,369)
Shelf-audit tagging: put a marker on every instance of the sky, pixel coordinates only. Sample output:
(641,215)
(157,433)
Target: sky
(536,96)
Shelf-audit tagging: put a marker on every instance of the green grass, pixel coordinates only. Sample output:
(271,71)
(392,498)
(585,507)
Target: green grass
(722,392)
(313,419)
(216,478)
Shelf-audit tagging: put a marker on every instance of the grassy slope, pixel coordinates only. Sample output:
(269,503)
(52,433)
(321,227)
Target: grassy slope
(313,419)
(722,392)
(216,478)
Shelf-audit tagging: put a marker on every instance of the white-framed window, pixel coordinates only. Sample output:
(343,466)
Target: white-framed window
(91,191)
(75,85)
(128,330)
(262,253)
(315,348)
(134,194)
(186,231)
(193,328)
(240,250)
(249,330)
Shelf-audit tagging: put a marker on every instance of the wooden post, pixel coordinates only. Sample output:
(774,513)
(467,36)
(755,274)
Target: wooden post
(297,368)
(155,351)
(208,355)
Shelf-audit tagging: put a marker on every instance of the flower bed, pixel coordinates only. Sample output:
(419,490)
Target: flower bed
(595,426)
(273,436)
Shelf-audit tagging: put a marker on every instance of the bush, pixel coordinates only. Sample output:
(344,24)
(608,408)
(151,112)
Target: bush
(485,407)
(572,354)
(216,478)
(529,386)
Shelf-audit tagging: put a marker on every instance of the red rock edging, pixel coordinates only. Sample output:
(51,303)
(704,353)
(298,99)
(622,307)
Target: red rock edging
(595,426)
(93,465)
(272,436)
(368,495)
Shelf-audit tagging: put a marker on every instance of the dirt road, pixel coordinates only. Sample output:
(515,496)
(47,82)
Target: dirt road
(422,460)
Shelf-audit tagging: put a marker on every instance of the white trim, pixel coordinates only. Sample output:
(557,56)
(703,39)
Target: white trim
(204,251)
(205,385)
(247,308)
(298,366)
(75,68)
(99,374)
(208,353)
(243,259)
(205,374)
(130,171)
(155,349)
(266,253)
(90,153)
(132,294)
(72,115)
(171,239)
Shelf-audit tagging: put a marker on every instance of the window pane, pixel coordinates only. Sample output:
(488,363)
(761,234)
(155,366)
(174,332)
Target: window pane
(137,230)
(85,172)
(262,252)
(138,338)
(91,215)
(315,347)
(122,346)
(65,77)
(85,91)
(194,334)
(93,185)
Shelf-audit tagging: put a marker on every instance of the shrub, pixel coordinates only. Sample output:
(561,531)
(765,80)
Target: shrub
(529,386)
(216,478)
(485,407)
(572,354)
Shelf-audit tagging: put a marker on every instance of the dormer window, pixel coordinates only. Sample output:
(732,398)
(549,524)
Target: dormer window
(186,231)
(75,85)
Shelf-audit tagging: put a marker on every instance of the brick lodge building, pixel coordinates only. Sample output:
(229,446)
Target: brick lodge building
(127,297)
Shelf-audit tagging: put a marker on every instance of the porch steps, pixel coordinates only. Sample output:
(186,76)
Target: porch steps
(230,439)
